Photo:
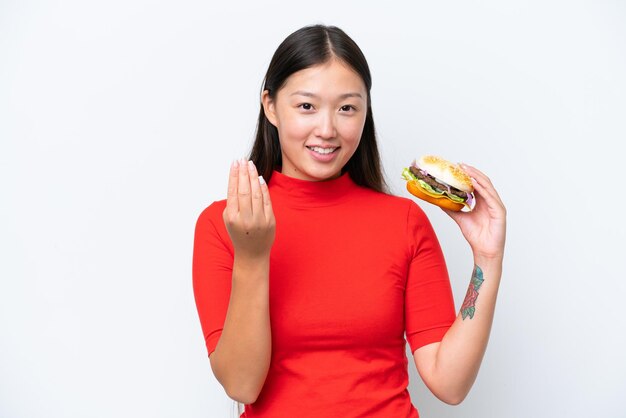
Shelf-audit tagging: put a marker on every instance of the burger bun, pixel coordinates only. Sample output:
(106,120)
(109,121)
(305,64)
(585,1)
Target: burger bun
(446,172)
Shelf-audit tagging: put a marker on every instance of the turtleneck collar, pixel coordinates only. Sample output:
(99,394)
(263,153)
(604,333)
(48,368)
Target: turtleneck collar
(306,193)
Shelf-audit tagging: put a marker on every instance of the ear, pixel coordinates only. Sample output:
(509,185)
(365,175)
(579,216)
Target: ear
(269,108)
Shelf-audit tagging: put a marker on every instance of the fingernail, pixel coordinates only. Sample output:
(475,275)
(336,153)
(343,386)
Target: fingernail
(235,164)
(261,180)
(251,166)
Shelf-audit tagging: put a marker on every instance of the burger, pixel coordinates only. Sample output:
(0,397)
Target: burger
(439,182)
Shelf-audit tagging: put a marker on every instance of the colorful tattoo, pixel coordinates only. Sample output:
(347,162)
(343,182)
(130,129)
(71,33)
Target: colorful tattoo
(468,308)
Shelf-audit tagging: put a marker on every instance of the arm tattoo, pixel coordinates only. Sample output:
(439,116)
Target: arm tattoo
(468,308)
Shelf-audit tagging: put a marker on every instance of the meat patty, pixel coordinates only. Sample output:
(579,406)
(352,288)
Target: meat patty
(435,184)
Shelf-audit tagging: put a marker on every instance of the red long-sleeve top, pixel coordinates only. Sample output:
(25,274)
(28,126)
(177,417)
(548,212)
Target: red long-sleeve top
(352,271)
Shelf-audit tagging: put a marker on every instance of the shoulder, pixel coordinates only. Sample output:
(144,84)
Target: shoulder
(402,207)
(214,209)
(403,215)
(398,217)
(211,216)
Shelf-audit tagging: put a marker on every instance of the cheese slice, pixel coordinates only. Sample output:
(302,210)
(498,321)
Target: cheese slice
(430,191)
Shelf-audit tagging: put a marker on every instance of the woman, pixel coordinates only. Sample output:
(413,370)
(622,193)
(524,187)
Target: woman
(306,286)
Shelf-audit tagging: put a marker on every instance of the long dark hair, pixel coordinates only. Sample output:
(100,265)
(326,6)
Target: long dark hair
(307,47)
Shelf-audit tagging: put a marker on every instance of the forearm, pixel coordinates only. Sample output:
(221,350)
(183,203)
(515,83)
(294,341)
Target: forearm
(241,359)
(459,355)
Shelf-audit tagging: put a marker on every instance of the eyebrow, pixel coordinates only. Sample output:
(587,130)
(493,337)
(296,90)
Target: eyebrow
(309,94)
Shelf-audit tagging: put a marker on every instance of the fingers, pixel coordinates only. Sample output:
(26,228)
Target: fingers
(267,202)
(261,202)
(248,216)
(248,195)
(232,205)
(255,191)
(484,187)
(478,177)
(476,173)
(243,189)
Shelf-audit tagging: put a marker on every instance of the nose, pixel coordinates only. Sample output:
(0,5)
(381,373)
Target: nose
(326,126)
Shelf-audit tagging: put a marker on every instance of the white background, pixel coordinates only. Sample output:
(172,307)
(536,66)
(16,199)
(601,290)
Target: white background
(118,121)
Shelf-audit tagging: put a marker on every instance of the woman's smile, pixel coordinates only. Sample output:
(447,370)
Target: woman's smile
(319,114)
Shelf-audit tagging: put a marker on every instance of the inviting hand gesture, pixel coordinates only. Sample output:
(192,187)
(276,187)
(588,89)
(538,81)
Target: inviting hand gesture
(248,216)
(485,226)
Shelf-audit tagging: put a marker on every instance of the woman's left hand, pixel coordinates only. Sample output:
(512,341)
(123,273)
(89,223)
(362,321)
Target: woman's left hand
(484,227)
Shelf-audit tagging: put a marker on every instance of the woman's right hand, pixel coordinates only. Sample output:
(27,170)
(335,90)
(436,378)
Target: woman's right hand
(248,216)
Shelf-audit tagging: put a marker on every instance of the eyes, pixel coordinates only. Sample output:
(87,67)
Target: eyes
(345,108)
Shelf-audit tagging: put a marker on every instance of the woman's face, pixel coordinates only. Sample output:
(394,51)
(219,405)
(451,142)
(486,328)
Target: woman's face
(319,113)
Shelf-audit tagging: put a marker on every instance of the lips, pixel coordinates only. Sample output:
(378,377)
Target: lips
(323,154)
(323,150)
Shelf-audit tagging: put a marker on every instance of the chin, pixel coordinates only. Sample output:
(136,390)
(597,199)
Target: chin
(323,174)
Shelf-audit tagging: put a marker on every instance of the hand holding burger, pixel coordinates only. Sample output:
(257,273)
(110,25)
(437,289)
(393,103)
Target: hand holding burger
(439,182)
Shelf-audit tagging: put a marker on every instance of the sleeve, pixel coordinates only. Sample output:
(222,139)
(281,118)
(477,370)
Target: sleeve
(212,272)
(429,304)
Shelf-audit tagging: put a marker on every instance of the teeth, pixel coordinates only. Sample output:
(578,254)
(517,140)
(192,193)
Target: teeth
(321,150)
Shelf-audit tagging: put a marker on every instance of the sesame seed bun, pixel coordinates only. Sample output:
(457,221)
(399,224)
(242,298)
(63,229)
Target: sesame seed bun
(446,172)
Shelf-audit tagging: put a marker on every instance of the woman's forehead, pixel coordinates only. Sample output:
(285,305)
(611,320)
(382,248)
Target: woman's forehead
(331,78)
